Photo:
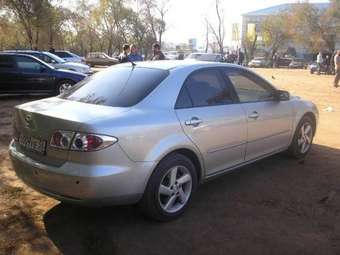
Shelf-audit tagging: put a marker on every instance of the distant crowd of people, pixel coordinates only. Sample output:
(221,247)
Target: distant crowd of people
(329,63)
(235,57)
(130,53)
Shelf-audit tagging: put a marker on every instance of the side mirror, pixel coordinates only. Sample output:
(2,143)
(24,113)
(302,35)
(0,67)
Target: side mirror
(281,95)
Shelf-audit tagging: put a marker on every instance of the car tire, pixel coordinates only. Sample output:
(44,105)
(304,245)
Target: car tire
(303,138)
(170,188)
(62,85)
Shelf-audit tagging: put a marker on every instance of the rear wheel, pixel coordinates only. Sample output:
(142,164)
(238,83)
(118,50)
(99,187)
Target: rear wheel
(170,188)
(63,86)
(303,138)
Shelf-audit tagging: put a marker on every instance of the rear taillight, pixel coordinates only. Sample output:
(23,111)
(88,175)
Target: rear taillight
(69,140)
(91,142)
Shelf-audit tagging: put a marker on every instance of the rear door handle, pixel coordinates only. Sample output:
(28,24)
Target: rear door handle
(194,122)
(254,115)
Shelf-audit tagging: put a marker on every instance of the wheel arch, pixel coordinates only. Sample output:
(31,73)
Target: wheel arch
(313,117)
(190,154)
(194,159)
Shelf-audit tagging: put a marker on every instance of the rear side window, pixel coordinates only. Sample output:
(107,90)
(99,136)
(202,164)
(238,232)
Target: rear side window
(62,54)
(117,86)
(27,64)
(6,62)
(205,88)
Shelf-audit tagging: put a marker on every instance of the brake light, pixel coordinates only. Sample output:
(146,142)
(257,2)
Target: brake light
(68,140)
(91,142)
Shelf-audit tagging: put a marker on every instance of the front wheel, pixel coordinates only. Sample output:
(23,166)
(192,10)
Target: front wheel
(170,188)
(303,138)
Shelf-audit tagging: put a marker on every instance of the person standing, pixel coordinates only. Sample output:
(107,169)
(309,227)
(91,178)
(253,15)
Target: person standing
(123,57)
(337,69)
(240,57)
(319,61)
(134,56)
(275,60)
(157,53)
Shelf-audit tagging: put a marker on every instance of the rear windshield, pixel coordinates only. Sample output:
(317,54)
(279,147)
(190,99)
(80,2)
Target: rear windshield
(117,86)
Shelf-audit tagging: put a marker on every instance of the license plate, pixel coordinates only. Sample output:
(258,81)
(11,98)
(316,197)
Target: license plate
(33,144)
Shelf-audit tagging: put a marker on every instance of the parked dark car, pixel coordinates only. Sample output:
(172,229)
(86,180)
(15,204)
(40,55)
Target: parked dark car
(24,74)
(55,61)
(284,62)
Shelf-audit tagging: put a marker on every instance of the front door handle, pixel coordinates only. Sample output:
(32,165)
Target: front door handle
(254,115)
(193,122)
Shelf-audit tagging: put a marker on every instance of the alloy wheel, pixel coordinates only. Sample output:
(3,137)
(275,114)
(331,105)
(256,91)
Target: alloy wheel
(305,137)
(175,189)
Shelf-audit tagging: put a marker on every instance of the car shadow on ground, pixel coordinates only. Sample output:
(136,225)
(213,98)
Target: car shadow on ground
(275,206)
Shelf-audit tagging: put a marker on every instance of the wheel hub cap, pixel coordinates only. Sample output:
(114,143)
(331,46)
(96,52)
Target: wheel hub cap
(175,189)
(305,137)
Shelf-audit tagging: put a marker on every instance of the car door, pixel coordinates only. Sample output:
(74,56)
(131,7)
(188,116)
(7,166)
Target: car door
(34,75)
(269,121)
(8,74)
(212,120)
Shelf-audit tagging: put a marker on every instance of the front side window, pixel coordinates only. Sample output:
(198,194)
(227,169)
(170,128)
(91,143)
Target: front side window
(250,88)
(26,64)
(206,88)
(6,62)
(117,86)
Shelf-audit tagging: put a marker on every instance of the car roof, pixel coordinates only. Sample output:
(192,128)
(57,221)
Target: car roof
(23,55)
(18,51)
(17,54)
(24,51)
(176,64)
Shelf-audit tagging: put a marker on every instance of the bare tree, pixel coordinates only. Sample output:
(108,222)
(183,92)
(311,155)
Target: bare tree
(218,31)
(155,12)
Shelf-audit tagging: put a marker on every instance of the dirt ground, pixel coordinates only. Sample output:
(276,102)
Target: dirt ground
(275,206)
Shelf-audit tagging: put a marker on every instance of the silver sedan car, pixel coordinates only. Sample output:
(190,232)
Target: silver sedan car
(150,133)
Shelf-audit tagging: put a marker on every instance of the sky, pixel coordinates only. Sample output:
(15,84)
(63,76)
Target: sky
(185,18)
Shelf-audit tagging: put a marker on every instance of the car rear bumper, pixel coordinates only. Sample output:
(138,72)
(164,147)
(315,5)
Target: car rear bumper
(93,185)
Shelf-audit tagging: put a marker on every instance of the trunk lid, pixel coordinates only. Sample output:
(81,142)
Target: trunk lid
(40,119)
